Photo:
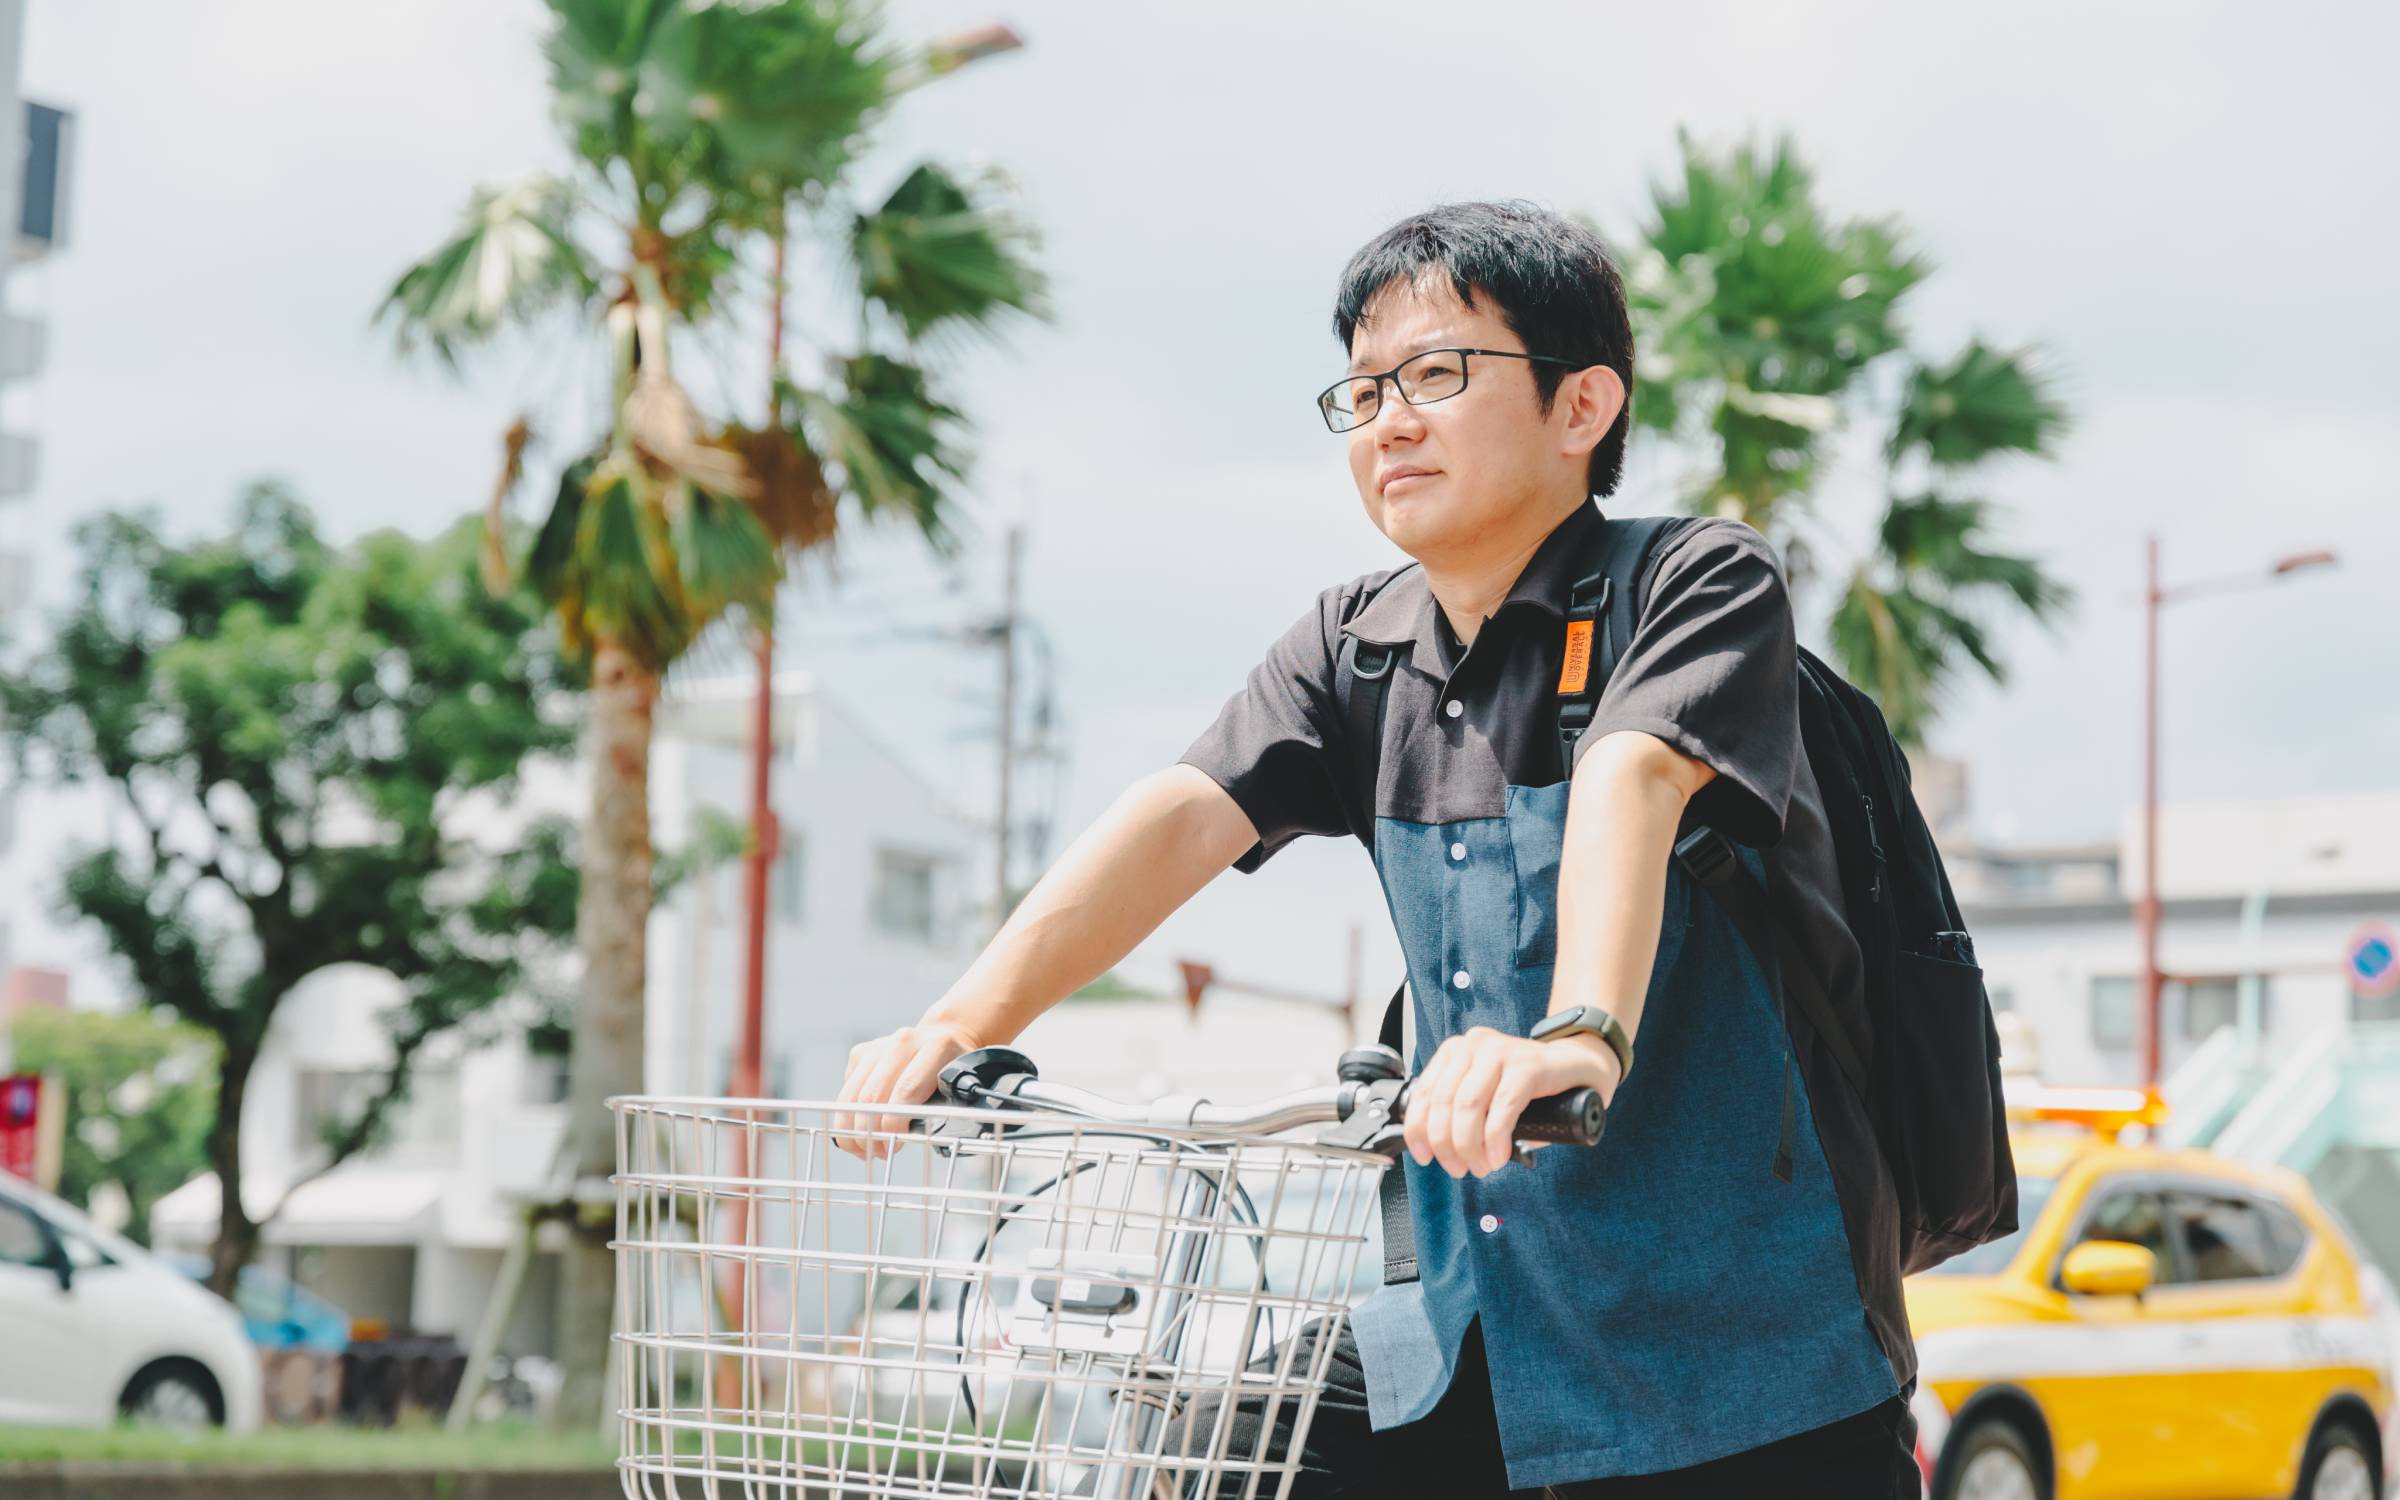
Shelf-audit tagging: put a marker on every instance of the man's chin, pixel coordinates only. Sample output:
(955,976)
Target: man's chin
(1418,517)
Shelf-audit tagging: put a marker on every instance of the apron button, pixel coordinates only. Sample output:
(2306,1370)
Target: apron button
(1458,981)
(1458,851)
(1454,708)
(1490,1222)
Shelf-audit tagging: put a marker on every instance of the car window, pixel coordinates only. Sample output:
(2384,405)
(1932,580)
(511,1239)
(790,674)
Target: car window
(2228,1239)
(2291,1236)
(2134,1216)
(82,1254)
(1991,1259)
(21,1240)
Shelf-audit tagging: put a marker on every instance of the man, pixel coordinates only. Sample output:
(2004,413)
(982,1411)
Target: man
(1697,1305)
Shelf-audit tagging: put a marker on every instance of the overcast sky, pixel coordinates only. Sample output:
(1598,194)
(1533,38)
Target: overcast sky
(2193,209)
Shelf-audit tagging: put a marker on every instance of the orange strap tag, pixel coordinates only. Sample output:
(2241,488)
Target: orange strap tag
(1578,666)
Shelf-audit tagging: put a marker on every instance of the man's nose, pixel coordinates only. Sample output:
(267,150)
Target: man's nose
(1394,417)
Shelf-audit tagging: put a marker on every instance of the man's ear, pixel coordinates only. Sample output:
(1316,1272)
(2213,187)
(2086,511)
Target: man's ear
(1592,398)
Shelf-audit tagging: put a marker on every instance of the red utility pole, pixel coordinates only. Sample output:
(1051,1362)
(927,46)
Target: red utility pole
(749,1066)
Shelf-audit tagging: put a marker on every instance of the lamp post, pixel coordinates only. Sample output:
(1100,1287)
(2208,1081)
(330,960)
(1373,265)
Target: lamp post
(2155,596)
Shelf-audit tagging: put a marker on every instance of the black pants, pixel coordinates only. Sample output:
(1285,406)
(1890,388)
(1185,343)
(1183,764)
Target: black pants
(1453,1451)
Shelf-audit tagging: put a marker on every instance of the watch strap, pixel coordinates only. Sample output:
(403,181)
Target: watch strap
(1591,1019)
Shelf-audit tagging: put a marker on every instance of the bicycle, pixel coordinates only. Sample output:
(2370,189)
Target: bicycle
(1157,1247)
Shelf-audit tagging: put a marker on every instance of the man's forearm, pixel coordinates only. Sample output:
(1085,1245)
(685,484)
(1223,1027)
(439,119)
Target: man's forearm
(1156,846)
(1627,797)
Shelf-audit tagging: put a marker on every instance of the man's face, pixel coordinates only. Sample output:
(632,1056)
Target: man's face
(1490,449)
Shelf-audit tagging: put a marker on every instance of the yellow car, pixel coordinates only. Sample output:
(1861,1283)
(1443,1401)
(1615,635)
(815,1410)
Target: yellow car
(2165,1324)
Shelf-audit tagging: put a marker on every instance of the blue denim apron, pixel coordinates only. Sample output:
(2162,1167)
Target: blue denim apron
(1657,1300)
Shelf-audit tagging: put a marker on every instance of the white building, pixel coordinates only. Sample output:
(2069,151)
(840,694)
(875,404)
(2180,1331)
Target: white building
(2256,895)
(867,930)
(36,154)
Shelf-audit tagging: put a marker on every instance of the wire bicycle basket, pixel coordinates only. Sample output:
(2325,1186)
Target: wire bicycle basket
(1010,1304)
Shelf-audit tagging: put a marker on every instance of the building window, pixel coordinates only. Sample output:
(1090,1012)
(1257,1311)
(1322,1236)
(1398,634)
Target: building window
(786,888)
(2112,1011)
(902,903)
(2209,1004)
(545,1077)
(330,1098)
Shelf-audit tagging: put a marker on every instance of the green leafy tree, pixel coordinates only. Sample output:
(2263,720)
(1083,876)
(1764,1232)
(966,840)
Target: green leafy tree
(701,134)
(140,1094)
(1767,328)
(289,731)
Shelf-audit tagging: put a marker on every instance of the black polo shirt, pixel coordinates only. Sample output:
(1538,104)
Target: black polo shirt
(1710,670)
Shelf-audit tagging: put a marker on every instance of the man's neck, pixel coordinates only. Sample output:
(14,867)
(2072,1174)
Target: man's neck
(1471,587)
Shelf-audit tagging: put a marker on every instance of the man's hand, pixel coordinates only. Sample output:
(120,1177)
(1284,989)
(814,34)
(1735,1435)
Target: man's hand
(1463,1109)
(900,1068)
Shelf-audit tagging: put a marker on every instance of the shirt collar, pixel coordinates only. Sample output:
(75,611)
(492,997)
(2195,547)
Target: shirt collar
(1405,612)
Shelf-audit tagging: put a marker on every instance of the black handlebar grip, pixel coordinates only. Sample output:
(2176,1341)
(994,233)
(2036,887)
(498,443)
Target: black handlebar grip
(1574,1118)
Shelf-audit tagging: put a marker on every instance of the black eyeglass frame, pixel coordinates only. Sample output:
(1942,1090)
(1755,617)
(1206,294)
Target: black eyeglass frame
(1465,376)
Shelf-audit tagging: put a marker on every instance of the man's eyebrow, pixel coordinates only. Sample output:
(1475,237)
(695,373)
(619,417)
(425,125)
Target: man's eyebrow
(1438,340)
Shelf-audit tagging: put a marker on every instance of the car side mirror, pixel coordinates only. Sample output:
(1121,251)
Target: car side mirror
(63,1266)
(2109,1268)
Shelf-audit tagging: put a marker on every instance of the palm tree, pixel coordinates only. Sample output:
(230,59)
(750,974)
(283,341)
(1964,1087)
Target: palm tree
(1767,327)
(699,133)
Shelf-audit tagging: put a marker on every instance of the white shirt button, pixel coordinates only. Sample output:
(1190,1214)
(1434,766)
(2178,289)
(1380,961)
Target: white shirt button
(1458,851)
(1454,708)
(1490,1222)
(1458,981)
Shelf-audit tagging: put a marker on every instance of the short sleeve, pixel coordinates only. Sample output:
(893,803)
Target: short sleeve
(1712,670)
(1277,746)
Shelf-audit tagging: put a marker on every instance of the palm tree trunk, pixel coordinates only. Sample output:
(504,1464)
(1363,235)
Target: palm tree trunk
(612,919)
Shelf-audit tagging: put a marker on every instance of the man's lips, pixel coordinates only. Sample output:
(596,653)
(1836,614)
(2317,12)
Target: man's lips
(1397,475)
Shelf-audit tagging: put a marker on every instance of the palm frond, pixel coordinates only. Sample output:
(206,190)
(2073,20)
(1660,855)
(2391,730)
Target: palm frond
(1878,643)
(889,444)
(512,258)
(1983,402)
(793,501)
(595,49)
(1937,544)
(1924,604)
(938,252)
(723,555)
(773,99)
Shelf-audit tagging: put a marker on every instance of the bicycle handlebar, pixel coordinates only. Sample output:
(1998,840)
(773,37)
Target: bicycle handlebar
(1371,1101)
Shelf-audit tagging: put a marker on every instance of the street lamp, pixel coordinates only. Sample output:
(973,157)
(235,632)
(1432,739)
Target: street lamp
(2154,597)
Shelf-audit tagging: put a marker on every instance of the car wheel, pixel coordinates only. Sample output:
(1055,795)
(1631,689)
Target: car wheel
(172,1396)
(1991,1460)
(2338,1466)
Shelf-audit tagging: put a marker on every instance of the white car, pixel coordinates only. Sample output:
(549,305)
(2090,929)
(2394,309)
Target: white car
(98,1328)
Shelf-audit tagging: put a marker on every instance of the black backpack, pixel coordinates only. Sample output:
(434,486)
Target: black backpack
(1930,1080)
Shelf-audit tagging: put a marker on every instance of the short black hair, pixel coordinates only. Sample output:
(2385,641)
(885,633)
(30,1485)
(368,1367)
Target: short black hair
(1551,279)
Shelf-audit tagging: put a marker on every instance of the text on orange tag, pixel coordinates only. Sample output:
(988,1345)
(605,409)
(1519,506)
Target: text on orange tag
(1578,666)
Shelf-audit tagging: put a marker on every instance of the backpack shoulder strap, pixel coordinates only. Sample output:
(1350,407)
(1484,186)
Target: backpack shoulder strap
(1362,680)
(1601,614)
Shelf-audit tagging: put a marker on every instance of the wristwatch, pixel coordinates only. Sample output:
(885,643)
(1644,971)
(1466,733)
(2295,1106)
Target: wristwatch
(1592,1019)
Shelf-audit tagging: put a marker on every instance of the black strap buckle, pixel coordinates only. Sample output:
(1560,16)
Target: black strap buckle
(1707,854)
(1574,716)
(1371,661)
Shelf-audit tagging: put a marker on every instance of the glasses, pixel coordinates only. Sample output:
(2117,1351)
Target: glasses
(1421,380)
